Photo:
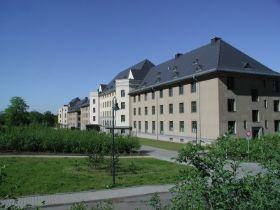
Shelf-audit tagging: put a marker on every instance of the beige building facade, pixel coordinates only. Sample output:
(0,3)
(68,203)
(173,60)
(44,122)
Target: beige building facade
(62,117)
(202,95)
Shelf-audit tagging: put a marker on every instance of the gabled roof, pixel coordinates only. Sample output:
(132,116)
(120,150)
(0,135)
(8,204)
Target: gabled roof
(217,56)
(74,105)
(84,102)
(138,71)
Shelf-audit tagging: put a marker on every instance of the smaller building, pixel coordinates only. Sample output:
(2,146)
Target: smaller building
(62,117)
(74,114)
(84,109)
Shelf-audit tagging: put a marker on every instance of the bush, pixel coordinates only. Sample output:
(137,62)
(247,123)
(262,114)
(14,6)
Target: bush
(44,139)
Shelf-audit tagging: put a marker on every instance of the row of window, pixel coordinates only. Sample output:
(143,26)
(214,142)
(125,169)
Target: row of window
(161,126)
(170,109)
(231,105)
(232,126)
(275,84)
(170,92)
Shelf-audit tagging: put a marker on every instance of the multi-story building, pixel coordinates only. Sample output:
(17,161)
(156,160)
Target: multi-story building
(119,87)
(74,113)
(84,108)
(62,117)
(205,93)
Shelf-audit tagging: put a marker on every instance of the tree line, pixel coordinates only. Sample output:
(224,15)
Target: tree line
(16,114)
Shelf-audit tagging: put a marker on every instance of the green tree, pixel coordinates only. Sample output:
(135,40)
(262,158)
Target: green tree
(2,118)
(16,114)
(35,117)
(49,119)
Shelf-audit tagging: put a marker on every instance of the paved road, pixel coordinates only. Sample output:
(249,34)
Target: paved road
(168,155)
(127,203)
(87,196)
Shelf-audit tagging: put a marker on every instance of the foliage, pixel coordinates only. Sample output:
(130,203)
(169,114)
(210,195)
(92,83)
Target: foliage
(97,206)
(262,149)
(43,139)
(214,187)
(16,114)
(49,119)
(93,127)
(35,118)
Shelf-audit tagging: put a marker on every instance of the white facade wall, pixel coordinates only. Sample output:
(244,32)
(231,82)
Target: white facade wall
(94,112)
(62,116)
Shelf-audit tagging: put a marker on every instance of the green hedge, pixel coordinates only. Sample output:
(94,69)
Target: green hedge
(43,139)
(262,149)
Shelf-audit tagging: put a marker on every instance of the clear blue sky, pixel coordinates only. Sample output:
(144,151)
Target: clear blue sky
(54,50)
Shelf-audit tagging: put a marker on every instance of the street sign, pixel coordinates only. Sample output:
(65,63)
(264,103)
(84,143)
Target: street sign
(248,133)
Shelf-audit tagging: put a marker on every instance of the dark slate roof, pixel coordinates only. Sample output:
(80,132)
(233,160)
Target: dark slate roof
(217,56)
(84,102)
(74,105)
(139,71)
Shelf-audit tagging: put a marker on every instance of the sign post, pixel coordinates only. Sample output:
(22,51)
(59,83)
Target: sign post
(248,135)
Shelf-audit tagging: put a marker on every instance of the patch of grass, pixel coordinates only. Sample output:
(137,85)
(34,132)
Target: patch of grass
(161,144)
(53,175)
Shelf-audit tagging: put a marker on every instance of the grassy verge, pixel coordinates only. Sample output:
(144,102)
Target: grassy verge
(161,144)
(53,175)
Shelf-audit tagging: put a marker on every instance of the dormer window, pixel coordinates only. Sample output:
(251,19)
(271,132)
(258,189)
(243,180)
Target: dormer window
(246,65)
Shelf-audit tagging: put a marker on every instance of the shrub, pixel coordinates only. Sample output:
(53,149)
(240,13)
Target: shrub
(44,139)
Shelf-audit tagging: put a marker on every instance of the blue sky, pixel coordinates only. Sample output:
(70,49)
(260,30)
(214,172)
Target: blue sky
(54,50)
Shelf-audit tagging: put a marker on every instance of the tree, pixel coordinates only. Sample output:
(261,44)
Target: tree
(2,118)
(35,117)
(49,119)
(16,114)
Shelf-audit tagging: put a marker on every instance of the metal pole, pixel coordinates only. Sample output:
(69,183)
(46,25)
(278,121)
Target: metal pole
(196,134)
(113,148)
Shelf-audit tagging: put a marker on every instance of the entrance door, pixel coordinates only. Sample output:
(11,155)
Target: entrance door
(256,132)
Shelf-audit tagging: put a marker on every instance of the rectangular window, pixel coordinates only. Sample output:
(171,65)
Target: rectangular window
(93,101)
(181,107)
(265,124)
(193,106)
(276,105)
(139,111)
(254,95)
(161,109)
(193,87)
(161,127)
(161,93)
(93,118)
(182,126)
(231,127)
(170,91)
(265,104)
(275,86)
(153,95)
(194,126)
(170,125)
(231,105)
(122,131)
(122,105)
(134,124)
(146,110)
(145,97)
(134,99)
(93,110)
(146,126)
(255,116)
(153,110)
(245,124)
(170,108)
(139,97)
(139,126)
(277,125)
(153,126)
(134,111)
(181,89)
(122,93)
(230,83)
(122,118)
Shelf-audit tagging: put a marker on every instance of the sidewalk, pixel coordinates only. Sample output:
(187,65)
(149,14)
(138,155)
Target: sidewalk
(69,198)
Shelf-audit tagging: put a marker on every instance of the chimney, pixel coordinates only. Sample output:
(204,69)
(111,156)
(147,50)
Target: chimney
(177,55)
(215,39)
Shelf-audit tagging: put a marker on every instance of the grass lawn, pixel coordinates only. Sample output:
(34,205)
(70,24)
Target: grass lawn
(161,144)
(29,176)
